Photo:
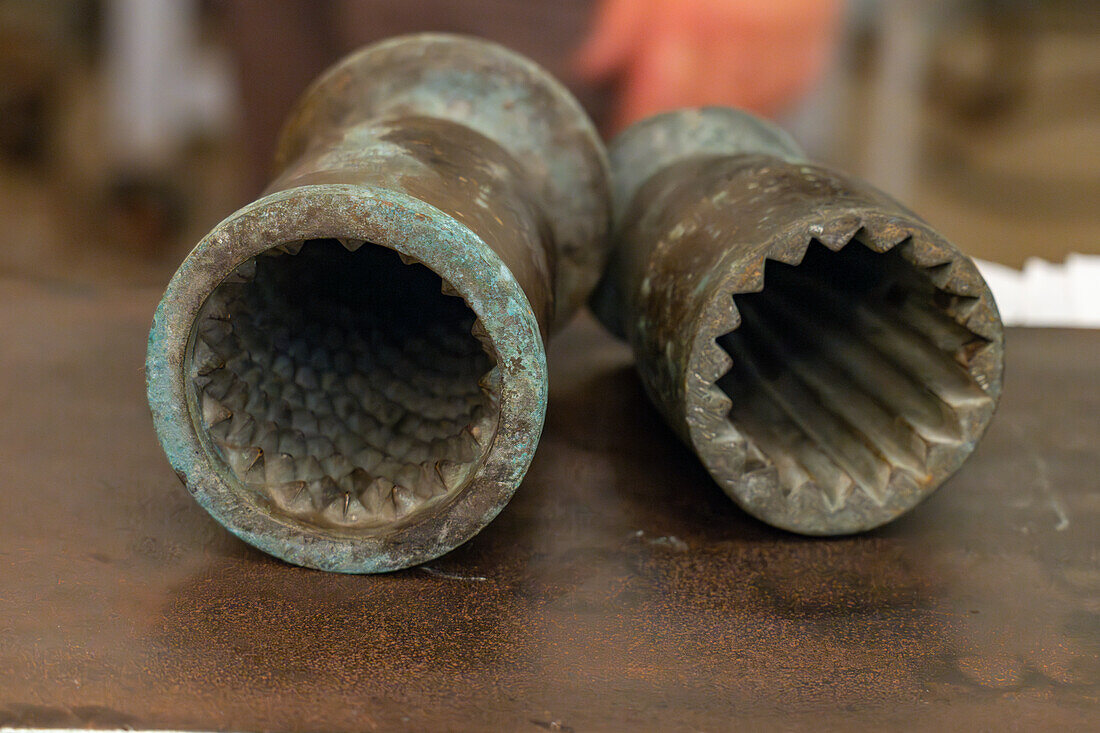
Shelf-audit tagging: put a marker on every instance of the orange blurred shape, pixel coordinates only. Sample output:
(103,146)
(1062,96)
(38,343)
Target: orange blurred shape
(759,55)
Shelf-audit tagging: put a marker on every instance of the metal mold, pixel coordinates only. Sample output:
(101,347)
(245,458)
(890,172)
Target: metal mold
(349,373)
(830,358)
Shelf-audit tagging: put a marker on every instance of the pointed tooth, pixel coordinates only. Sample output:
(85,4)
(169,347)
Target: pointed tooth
(472,433)
(350,245)
(247,269)
(352,510)
(835,493)
(292,497)
(479,332)
(219,385)
(241,429)
(204,359)
(408,259)
(243,273)
(267,438)
(216,309)
(404,501)
(214,330)
(961,278)
(378,499)
(241,460)
(450,473)
(883,237)
(838,232)
(326,492)
(447,289)
(255,473)
(430,482)
(942,273)
(234,279)
(255,458)
(964,307)
(292,248)
(345,508)
(792,255)
(713,362)
(714,400)
(922,253)
(468,449)
(724,316)
(490,382)
(213,411)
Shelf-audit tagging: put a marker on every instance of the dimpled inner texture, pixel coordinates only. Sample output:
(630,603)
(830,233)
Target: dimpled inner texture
(343,385)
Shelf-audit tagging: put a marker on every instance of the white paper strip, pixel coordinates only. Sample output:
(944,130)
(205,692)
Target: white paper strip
(1047,294)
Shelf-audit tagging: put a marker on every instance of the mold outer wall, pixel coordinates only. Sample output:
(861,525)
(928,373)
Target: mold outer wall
(704,200)
(410,227)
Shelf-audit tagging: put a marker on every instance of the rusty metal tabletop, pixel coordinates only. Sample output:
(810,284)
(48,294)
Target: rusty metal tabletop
(620,588)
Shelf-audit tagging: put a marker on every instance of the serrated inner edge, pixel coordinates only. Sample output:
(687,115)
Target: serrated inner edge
(345,386)
(849,375)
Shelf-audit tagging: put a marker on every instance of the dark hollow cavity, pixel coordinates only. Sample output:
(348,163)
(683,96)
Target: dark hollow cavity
(345,387)
(848,372)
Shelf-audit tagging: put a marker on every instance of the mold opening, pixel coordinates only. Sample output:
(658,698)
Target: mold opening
(850,372)
(346,385)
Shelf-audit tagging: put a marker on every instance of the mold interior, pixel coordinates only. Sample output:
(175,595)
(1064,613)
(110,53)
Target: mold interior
(849,373)
(346,386)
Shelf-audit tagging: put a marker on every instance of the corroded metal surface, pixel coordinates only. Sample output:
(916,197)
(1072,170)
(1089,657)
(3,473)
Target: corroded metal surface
(617,591)
(349,373)
(829,357)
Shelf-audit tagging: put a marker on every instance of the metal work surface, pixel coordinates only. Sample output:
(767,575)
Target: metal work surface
(620,589)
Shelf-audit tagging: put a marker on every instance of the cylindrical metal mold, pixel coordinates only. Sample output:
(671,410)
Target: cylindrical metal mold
(829,357)
(349,373)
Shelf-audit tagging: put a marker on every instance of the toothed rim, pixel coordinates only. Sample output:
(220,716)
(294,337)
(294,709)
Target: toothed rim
(723,449)
(413,229)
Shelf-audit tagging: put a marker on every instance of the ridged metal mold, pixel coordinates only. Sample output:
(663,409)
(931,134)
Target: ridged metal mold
(828,356)
(349,373)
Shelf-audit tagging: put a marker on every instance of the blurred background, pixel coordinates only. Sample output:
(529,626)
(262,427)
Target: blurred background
(128,128)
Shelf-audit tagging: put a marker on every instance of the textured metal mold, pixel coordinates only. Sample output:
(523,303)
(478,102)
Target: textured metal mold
(349,373)
(829,357)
